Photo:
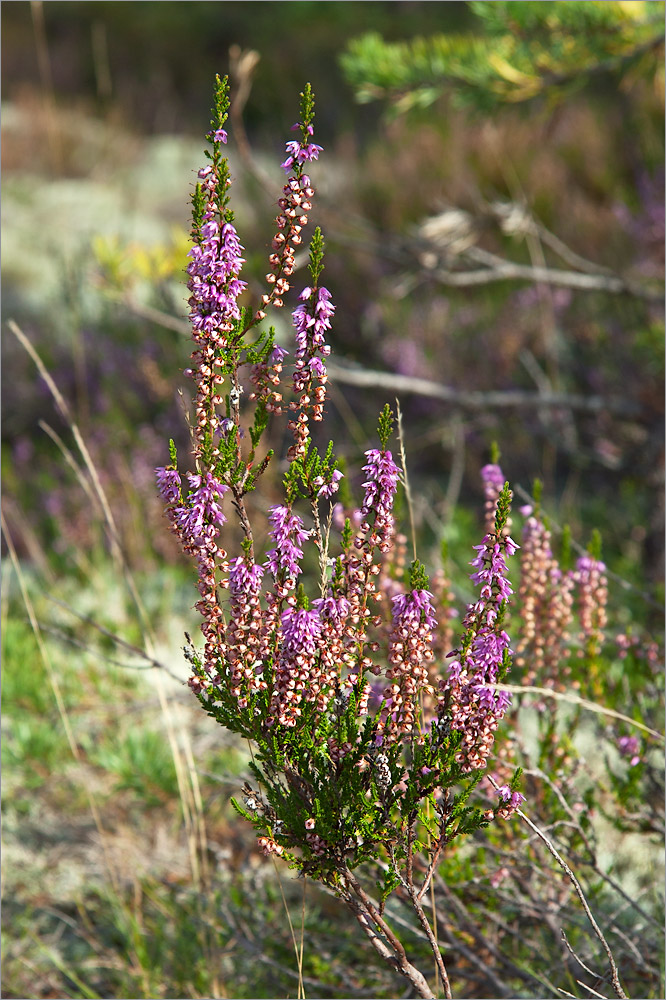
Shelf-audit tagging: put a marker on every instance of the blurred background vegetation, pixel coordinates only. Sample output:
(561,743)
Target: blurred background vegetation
(492,196)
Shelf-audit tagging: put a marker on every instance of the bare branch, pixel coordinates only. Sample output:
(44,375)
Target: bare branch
(501,399)
(619,992)
(573,699)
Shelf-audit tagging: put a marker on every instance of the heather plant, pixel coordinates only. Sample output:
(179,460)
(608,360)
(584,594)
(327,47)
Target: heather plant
(322,647)
(359,756)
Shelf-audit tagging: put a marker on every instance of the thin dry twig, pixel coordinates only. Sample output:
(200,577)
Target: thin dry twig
(403,462)
(590,990)
(574,699)
(615,977)
(150,660)
(580,961)
(501,399)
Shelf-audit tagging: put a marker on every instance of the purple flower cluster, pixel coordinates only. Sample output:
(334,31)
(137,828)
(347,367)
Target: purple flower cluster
(492,573)
(296,672)
(301,629)
(311,323)
(196,520)
(380,487)
(288,533)
(409,653)
(629,746)
(300,152)
(201,515)
(244,580)
(590,577)
(468,693)
(168,483)
(332,609)
(492,478)
(311,319)
(509,801)
(328,488)
(214,283)
(414,607)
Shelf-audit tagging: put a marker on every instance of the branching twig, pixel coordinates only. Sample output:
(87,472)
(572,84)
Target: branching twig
(384,941)
(619,992)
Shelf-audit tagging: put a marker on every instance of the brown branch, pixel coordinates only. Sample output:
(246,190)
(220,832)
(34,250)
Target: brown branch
(388,946)
(369,379)
(427,930)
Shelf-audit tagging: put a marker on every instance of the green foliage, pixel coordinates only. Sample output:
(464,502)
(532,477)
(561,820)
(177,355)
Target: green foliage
(221,107)
(299,479)
(385,426)
(418,578)
(307,110)
(503,509)
(520,51)
(141,761)
(317,247)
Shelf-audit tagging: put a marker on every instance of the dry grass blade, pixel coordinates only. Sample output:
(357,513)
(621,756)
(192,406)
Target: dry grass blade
(57,694)
(67,416)
(574,699)
(298,952)
(403,462)
(193,817)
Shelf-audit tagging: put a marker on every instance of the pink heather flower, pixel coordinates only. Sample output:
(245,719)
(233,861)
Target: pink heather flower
(332,609)
(311,321)
(296,667)
(168,483)
(220,135)
(270,846)
(215,264)
(288,533)
(414,607)
(300,153)
(328,489)
(629,747)
(498,877)
(299,127)
(509,801)
(493,481)
(590,577)
(492,568)
(278,355)
(383,477)
(309,824)
(468,694)
(201,514)
(244,579)
(409,653)
(492,475)
(301,629)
